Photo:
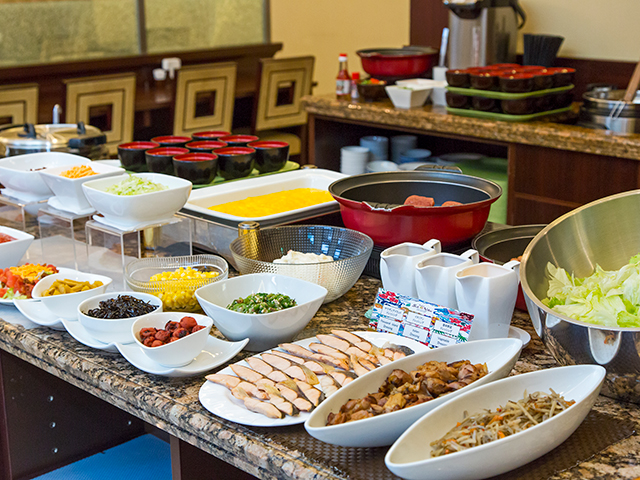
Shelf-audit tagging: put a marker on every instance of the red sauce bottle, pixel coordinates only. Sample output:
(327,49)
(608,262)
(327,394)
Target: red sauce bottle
(343,80)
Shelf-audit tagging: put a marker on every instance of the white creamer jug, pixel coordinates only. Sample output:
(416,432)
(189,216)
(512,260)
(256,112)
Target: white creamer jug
(489,292)
(398,262)
(435,277)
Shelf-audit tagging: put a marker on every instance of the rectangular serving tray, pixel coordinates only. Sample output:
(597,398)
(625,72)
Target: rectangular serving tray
(201,199)
(505,117)
(472,92)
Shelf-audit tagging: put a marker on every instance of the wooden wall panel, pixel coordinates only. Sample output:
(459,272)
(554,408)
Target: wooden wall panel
(546,183)
(571,176)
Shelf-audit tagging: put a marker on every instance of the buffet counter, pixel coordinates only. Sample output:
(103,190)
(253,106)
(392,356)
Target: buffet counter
(553,167)
(288,452)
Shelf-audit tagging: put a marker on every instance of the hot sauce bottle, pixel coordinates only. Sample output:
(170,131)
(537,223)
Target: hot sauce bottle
(343,80)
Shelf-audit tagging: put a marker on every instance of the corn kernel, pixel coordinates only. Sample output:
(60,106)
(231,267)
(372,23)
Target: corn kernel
(178,295)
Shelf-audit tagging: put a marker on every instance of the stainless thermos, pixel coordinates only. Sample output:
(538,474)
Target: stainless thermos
(483,32)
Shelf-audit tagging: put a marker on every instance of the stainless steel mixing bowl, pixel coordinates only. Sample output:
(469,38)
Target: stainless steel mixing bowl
(605,232)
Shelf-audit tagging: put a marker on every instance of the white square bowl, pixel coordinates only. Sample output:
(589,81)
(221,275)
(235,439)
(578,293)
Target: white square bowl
(130,211)
(412,96)
(177,353)
(17,172)
(421,83)
(69,190)
(66,305)
(11,252)
(264,330)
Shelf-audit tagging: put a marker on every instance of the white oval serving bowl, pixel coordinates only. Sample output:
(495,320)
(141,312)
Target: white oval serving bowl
(17,172)
(264,330)
(180,352)
(409,457)
(69,190)
(129,211)
(116,330)
(12,252)
(66,305)
(500,355)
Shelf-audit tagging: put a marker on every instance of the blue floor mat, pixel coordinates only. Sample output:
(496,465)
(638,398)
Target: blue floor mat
(142,458)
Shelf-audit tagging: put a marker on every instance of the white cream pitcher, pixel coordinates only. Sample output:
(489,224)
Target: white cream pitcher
(398,262)
(488,291)
(435,276)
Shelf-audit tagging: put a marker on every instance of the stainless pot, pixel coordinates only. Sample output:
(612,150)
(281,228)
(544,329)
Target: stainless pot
(604,109)
(604,233)
(78,139)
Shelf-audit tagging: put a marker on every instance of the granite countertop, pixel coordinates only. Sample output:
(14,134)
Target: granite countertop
(437,120)
(172,404)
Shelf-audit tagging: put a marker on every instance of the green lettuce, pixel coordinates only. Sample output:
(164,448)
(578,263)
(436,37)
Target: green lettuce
(608,298)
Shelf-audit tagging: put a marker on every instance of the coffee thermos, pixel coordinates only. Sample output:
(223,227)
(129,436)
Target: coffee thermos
(483,32)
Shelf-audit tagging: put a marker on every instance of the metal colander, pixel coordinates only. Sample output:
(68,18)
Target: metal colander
(255,252)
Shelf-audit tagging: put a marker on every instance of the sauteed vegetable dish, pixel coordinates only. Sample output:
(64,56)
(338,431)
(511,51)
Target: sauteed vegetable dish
(403,390)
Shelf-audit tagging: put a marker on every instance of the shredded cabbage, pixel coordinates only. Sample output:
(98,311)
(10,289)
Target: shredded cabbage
(608,298)
(11,295)
(133,185)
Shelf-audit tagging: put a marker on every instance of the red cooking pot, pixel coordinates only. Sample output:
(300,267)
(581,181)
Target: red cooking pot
(397,62)
(372,203)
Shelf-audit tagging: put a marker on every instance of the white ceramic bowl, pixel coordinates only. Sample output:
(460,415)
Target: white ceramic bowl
(129,211)
(17,172)
(69,190)
(66,306)
(421,82)
(263,330)
(500,355)
(409,457)
(112,330)
(381,166)
(12,252)
(178,353)
(411,96)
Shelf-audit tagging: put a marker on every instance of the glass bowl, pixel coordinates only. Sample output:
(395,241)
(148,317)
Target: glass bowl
(255,252)
(177,295)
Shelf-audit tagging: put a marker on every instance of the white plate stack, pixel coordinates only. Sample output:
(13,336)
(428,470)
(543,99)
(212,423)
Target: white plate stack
(353,160)
(378,145)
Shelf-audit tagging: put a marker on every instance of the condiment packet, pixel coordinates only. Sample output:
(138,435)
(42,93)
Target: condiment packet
(427,323)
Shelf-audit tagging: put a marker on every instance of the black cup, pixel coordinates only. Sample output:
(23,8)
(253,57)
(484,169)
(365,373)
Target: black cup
(160,160)
(235,162)
(238,140)
(198,168)
(271,156)
(209,135)
(171,141)
(132,155)
(205,146)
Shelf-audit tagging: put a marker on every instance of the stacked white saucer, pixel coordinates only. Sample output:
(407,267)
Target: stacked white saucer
(353,160)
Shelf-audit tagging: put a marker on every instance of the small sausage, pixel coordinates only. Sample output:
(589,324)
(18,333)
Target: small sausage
(157,343)
(420,201)
(188,322)
(180,333)
(147,332)
(148,341)
(451,203)
(162,335)
(171,326)
(196,328)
